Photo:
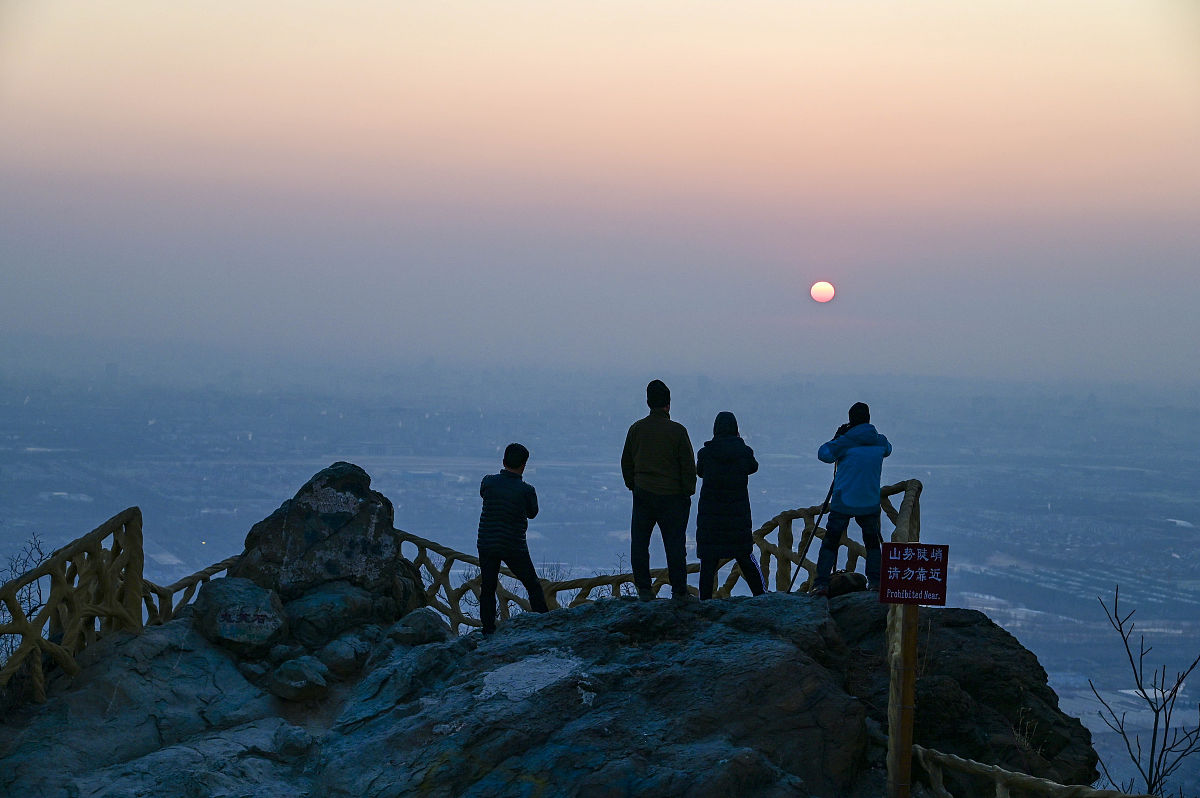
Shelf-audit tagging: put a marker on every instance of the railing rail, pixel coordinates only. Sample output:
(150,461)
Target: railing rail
(162,602)
(933,762)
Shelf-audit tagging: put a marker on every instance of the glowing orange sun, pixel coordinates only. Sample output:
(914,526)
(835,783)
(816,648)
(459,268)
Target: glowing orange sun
(822,291)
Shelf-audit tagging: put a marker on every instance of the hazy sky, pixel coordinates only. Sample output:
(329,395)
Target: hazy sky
(1002,187)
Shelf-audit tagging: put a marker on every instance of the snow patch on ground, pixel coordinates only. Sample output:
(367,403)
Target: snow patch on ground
(521,679)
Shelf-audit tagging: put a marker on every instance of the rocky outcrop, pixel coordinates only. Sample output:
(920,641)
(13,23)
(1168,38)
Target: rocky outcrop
(613,698)
(980,693)
(775,695)
(334,529)
(332,555)
(137,699)
(312,670)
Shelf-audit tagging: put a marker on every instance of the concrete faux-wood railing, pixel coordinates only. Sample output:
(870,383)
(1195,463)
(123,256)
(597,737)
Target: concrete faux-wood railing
(1004,781)
(451,578)
(96,583)
(95,590)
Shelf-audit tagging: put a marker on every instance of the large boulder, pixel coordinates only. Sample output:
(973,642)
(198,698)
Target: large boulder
(420,627)
(347,654)
(300,679)
(240,615)
(334,528)
(325,612)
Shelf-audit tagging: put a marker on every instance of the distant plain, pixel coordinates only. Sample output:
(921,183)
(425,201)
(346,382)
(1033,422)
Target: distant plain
(1048,496)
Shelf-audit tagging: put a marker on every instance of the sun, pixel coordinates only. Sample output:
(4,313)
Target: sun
(822,291)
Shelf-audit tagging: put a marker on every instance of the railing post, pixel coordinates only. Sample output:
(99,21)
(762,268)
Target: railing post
(129,587)
(783,569)
(902,692)
(902,660)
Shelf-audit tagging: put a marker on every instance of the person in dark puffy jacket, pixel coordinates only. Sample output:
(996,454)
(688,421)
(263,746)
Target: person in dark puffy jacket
(508,504)
(723,525)
(858,450)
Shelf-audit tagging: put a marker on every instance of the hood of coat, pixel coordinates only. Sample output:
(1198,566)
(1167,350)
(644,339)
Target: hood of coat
(725,447)
(725,424)
(863,435)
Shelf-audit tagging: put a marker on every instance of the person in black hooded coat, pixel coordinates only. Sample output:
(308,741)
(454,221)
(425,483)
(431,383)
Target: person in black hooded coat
(723,525)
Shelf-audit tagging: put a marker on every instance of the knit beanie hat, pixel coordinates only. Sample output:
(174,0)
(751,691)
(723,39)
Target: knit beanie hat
(859,413)
(657,394)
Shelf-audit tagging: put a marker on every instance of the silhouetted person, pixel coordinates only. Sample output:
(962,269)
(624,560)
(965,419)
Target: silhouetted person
(508,504)
(659,466)
(723,525)
(858,450)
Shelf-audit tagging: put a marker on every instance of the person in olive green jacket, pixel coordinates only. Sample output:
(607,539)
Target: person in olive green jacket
(659,466)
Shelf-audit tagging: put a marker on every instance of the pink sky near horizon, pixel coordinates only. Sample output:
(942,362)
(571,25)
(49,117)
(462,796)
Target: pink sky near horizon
(844,141)
(756,99)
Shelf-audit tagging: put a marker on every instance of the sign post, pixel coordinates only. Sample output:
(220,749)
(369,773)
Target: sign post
(912,574)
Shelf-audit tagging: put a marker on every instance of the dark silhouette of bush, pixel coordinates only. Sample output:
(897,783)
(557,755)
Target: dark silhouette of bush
(1171,742)
(31,597)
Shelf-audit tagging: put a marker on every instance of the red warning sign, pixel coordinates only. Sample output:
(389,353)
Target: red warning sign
(914,573)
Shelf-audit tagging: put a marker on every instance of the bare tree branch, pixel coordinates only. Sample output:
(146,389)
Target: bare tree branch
(30,598)
(1170,744)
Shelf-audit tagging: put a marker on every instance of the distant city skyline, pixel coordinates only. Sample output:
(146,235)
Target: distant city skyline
(1005,189)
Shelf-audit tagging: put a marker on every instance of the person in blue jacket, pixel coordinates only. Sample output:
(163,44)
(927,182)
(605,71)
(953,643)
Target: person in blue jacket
(858,451)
